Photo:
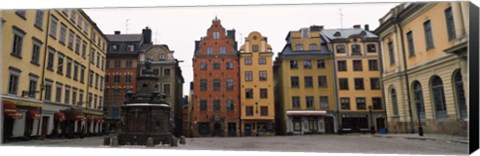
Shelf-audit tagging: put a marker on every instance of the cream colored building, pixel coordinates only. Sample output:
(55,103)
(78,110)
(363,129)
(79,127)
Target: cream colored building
(52,61)
(358,78)
(256,81)
(424,55)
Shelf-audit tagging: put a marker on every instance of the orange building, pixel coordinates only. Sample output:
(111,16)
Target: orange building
(216,101)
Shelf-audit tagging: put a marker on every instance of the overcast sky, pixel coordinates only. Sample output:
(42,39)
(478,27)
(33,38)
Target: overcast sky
(179,27)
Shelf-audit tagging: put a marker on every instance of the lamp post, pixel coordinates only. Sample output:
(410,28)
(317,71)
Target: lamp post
(372,129)
(420,128)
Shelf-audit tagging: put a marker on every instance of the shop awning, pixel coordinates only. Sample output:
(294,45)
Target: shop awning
(59,116)
(306,113)
(9,107)
(34,114)
(74,114)
(14,115)
(90,119)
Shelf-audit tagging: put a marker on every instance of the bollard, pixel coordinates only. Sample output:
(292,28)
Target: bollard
(182,140)
(174,143)
(149,142)
(114,141)
(106,140)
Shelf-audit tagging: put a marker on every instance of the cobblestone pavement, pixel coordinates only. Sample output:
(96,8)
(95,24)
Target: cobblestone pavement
(311,143)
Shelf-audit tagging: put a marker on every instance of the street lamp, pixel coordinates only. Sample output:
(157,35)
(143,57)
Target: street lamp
(372,129)
(420,128)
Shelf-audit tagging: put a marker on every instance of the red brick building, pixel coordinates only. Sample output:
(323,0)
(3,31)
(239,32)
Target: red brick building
(216,104)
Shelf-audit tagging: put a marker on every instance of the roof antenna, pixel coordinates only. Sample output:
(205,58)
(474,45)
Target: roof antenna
(126,25)
(341,18)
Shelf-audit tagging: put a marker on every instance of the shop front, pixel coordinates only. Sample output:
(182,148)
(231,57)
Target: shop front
(21,118)
(309,122)
(258,128)
(74,123)
(362,122)
(94,122)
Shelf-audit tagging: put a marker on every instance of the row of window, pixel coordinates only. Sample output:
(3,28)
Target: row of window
(262,75)
(70,93)
(129,47)
(438,97)
(216,66)
(359,83)
(78,69)
(428,33)
(249,111)
(216,84)
(118,63)
(230,105)
(307,64)
(355,49)
(249,93)
(309,102)
(361,104)
(357,65)
(308,81)
(299,47)
(73,18)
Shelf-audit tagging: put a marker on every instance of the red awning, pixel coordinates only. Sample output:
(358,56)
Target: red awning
(74,114)
(59,116)
(34,114)
(306,113)
(14,115)
(90,119)
(9,107)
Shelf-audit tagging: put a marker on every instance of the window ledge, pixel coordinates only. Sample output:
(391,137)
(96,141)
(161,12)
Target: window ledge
(16,55)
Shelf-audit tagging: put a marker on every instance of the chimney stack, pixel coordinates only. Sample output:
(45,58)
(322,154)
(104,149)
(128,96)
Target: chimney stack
(357,26)
(366,27)
(117,32)
(147,35)
(316,28)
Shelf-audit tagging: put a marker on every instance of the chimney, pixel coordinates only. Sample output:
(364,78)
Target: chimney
(147,35)
(366,27)
(197,44)
(357,26)
(316,28)
(231,34)
(117,32)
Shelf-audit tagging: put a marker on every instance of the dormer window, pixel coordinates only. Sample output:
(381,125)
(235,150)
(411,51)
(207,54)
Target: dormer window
(363,33)
(114,47)
(337,34)
(299,47)
(150,57)
(130,48)
(161,57)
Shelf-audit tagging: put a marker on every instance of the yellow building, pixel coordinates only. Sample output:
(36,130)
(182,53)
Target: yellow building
(357,75)
(53,69)
(304,88)
(256,81)
(424,67)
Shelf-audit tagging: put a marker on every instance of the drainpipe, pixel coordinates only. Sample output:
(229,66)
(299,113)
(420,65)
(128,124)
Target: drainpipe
(335,97)
(397,23)
(42,79)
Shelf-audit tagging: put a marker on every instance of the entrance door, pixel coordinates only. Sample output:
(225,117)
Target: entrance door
(217,129)
(297,124)
(380,123)
(329,129)
(248,129)
(232,129)
(45,120)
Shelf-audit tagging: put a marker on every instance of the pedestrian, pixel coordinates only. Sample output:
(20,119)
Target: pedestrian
(82,131)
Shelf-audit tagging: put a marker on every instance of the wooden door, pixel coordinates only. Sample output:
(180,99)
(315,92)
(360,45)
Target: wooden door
(45,121)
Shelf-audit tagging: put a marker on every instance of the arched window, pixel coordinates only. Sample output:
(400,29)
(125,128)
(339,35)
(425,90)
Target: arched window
(393,95)
(460,94)
(418,97)
(439,98)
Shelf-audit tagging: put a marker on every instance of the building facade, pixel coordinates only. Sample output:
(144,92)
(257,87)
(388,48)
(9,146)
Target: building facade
(357,76)
(424,47)
(53,62)
(304,88)
(216,79)
(121,73)
(170,80)
(256,92)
